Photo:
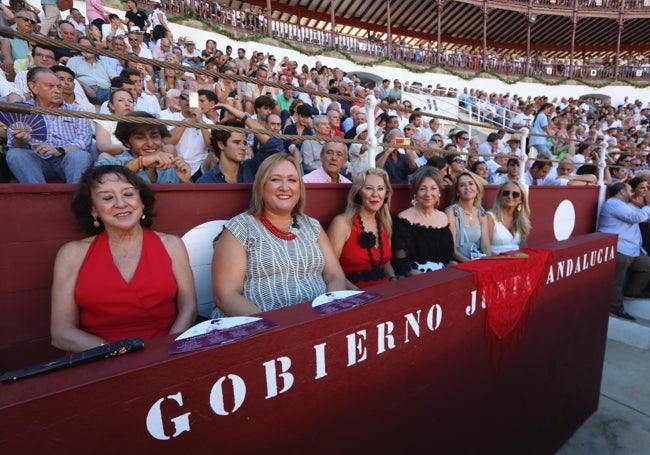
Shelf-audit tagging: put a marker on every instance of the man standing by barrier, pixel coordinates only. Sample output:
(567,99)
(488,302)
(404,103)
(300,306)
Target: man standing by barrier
(618,216)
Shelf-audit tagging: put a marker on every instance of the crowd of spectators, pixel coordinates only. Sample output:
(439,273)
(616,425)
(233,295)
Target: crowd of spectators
(580,129)
(416,147)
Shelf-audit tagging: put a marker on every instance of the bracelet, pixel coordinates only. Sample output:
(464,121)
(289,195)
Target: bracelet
(245,117)
(61,151)
(140,163)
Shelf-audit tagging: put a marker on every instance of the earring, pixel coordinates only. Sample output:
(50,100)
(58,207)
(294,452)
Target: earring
(96,223)
(518,208)
(413,201)
(143,216)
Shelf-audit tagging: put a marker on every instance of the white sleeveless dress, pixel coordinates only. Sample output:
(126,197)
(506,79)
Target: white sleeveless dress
(502,240)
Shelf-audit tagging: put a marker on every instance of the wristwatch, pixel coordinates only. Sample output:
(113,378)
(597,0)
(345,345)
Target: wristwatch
(61,150)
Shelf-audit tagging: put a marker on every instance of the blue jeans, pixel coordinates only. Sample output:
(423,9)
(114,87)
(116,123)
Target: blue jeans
(28,167)
(101,95)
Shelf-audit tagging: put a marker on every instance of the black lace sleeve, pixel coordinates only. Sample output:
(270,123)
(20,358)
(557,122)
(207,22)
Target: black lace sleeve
(400,243)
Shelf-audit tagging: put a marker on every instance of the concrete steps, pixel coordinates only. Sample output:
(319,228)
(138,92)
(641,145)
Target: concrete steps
(635,333)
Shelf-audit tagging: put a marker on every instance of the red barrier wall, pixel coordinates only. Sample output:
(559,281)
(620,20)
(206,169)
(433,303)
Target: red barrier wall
(37,221)
(429,392)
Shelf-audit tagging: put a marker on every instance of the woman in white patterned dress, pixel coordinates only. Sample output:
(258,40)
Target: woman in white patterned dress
(273,256)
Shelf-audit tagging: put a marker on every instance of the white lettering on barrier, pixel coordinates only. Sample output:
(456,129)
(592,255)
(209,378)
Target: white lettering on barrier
(356,350)
(471,308)
(155,423)
(572,266)
(355,347)
(414,323)
(216,394)
(271,376)
(385,337)
(320,360)
(437,310)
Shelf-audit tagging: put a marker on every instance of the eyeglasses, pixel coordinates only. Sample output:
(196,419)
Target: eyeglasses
(464,138)
(514,194)
(459,160)
(408,128)
(184,96)
(132,38)
(27,19)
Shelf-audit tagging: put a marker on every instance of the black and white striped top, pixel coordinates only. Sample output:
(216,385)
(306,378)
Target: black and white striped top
(280,272)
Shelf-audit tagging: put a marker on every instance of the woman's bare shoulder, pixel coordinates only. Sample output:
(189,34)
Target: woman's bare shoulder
(75,251)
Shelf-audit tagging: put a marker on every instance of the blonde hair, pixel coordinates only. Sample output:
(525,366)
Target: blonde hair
(263,174)
(479,187)
(352,208)
(521,217)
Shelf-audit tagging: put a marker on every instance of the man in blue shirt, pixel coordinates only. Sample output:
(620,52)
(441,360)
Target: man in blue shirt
(230,148)
(398,164)
(618,216)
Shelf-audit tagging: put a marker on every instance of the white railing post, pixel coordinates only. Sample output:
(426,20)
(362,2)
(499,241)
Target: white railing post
(371,104)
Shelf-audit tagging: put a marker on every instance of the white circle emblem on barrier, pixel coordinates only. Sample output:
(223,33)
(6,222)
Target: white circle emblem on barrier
(564,220)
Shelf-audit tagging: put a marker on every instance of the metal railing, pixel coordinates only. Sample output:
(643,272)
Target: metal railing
(252,21)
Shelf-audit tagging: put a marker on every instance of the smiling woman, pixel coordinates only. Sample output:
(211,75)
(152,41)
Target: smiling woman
(361,235)
(273,256)
(127,280)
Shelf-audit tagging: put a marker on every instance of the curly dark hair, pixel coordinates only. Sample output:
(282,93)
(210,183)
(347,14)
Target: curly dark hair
(82,201)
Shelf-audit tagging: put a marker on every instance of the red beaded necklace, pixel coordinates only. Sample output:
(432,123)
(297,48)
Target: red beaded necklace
(279,233)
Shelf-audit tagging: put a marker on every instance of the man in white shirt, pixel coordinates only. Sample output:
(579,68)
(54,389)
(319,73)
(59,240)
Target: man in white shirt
(190,143)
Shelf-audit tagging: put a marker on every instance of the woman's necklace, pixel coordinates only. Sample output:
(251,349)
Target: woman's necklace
(279,233)
(367,240)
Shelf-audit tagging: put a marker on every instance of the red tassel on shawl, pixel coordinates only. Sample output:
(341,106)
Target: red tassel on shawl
(510,287)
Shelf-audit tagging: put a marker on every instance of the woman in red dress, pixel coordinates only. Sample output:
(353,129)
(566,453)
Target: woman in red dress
(361,235)
(126,280)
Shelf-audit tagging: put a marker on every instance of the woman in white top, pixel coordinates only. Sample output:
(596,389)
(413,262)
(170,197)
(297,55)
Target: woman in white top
(508,222)
(120,103)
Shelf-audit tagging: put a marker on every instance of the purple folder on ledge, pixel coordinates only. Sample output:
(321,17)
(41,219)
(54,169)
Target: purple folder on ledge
(331,302)
(217,332)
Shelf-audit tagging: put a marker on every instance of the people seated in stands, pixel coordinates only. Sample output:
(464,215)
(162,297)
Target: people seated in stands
(8,91)
(632,273)
(361,235)
(191,143)
(422,240)
(145,155)
(65,153)
(455,166)
(300,128)
(333,157)
(96,13)
(124,281)
(467,219)
(93,73)
(120,102)
(508,221)
(143,101)
(227,90)
(273,256)
(230,150)
(311,148)
(136,16)
(15,51)
(538,174)
(396,162)
(67,34)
